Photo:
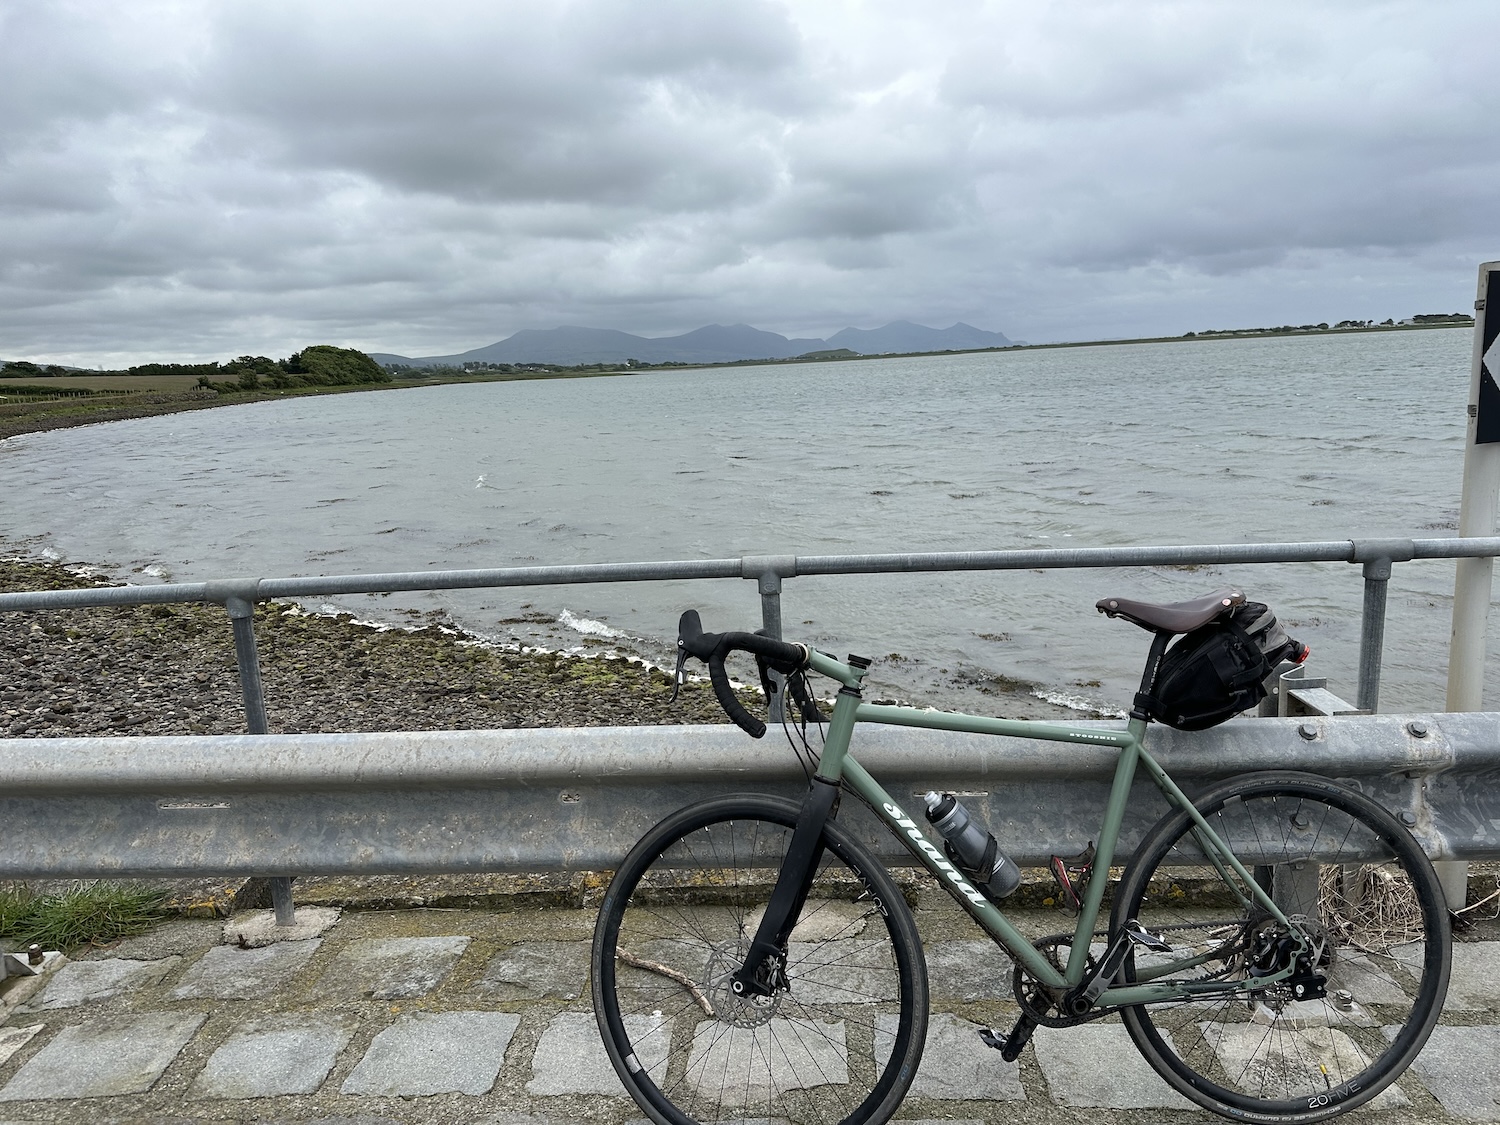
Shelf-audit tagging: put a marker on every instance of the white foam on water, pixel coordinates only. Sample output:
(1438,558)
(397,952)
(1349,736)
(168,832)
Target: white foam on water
(1076,702)
(587,626)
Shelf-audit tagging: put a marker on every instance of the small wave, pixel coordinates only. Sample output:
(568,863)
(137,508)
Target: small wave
(1075,702)
(587,626)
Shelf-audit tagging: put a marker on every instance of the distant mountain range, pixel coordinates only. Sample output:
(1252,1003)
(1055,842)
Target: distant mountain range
(715,343)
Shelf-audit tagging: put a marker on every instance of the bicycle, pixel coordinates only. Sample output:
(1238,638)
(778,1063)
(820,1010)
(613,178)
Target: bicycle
(753,960)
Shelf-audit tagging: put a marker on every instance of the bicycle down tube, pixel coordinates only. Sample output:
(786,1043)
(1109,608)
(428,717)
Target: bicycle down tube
(837,765)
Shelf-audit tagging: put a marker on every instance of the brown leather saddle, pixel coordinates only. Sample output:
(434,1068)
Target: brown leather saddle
(1172,617)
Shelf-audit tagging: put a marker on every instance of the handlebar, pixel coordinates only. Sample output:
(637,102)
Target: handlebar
(712,648)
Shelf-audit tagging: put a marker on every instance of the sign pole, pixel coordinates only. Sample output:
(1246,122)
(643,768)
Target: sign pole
(1473,581)
(1481,497)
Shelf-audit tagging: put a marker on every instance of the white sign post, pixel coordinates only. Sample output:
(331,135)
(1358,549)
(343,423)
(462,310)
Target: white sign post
(1481,497)
(1476,517)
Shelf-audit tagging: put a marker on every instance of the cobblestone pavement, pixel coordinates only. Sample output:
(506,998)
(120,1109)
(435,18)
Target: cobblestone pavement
(465,1015)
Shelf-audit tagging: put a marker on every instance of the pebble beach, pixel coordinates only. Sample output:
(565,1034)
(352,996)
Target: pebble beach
(170,670)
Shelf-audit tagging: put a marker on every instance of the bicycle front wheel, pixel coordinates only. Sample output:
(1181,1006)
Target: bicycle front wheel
(1368,914)
(840,1038)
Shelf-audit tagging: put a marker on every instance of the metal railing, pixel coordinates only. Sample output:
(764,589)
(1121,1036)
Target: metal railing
(238,596)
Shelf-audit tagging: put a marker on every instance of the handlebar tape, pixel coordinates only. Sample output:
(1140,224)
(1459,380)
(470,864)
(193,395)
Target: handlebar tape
(712,648)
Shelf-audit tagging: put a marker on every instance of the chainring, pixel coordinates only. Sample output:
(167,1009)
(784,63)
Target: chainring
(1039,1002)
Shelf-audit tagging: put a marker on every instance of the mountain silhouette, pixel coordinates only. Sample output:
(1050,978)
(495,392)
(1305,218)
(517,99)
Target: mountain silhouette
(715,343)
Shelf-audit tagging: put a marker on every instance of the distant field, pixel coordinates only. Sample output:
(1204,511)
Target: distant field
(109,382)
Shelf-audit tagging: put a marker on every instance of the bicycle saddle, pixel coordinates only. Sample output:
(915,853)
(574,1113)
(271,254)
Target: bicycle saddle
(1172,617)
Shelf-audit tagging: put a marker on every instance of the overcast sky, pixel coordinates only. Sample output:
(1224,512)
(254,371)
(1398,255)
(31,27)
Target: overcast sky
(205,179)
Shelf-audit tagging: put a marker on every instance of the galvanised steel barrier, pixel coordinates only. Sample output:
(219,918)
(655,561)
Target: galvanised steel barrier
(577,799)
(238,597)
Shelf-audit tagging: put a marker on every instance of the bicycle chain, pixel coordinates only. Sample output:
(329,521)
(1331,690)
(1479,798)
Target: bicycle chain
(1036,1002)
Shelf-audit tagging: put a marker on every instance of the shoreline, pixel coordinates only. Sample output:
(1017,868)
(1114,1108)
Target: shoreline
(78,413)
(170,670)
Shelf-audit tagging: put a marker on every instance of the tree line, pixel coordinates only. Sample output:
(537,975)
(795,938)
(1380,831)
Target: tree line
(321,365)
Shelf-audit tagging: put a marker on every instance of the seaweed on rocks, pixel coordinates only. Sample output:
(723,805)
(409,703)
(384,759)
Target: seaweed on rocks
(170,670)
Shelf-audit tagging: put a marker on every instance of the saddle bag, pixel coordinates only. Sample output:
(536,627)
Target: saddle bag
(1218,670)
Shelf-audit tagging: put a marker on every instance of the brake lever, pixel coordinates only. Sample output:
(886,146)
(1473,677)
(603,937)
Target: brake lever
(767,684)
(678,676)
(797,685)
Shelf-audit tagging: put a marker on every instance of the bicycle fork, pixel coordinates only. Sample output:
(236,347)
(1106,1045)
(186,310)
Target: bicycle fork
(764,969)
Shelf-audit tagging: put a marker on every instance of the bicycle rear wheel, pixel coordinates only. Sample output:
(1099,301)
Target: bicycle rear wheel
(1359,889)
(839,1040)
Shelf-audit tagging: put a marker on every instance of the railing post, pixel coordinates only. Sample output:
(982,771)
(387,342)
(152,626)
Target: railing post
(768,571)
(1372,634)
(1377,556)
(238,599)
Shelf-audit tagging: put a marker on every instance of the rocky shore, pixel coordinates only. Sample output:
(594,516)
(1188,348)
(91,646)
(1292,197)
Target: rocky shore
(170,669)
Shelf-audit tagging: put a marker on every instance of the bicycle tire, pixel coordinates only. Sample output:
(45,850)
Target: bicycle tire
(1365,892)
(840,1043)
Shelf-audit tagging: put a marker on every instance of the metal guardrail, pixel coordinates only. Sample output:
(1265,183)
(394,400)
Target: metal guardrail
(426,821)
(238,596)
(577,799)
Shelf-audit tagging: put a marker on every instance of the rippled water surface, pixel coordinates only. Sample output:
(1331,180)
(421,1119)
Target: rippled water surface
(1197,442)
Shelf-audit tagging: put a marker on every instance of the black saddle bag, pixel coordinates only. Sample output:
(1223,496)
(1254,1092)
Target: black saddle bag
(1219,670)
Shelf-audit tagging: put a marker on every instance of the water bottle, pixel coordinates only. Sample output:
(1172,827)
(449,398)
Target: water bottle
(973,847)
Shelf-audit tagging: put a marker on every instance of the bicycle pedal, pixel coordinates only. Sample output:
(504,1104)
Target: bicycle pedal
(1142,937)
(1011,1045)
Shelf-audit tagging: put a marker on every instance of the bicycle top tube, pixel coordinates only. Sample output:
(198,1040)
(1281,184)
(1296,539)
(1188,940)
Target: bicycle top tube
(851,677)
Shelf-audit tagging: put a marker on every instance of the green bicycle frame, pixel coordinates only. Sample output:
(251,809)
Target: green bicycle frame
(836,765)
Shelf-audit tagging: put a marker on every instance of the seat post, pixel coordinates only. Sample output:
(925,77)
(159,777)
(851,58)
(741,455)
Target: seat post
(1159,641)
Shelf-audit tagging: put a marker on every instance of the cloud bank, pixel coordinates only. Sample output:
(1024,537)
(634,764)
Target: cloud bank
(197,179)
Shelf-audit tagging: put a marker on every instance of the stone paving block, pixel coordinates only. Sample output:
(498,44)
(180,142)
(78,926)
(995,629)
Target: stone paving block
(106,1056)
(184,937)
(257,928)
(84,982)
(393,968)
(289,1054)
(1474,983)
(227,972)
(570,1057)
(1367,981)
(12,1039)
(955,1063)
(1245,1048)
(1460,1066)
(435,1053)
(1475,980)
(968,970)
(742,1064)
(822,919)
(842,972)
(1096,1066)
(556,970)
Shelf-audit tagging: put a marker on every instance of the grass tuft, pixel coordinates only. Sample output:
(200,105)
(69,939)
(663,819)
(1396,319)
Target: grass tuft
(86,914)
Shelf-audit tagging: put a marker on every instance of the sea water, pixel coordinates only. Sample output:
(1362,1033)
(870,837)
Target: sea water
(1222,441)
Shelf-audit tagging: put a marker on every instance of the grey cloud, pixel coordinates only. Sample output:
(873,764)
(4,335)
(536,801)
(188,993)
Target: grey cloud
(209,178)
(524,103)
